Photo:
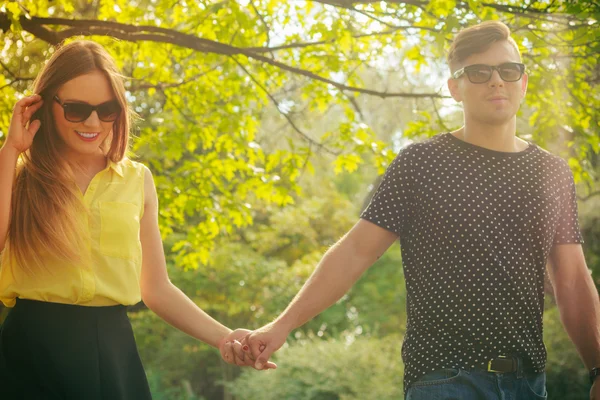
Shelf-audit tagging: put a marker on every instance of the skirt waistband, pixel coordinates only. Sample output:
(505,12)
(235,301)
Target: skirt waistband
(34,306)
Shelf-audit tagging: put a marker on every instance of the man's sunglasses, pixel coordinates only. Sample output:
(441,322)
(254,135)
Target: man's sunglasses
(481,73)
(79,112)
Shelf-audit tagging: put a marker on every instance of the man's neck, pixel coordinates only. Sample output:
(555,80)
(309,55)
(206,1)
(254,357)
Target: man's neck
(493,137)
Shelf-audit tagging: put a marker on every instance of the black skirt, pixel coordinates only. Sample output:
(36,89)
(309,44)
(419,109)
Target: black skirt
(56,351)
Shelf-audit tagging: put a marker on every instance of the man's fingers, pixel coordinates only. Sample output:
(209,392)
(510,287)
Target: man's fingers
(271,365)
(257,348)
(266,366)
(263,358)
(254,347)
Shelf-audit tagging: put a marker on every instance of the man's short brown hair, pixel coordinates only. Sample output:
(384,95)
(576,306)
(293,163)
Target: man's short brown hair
(477,39)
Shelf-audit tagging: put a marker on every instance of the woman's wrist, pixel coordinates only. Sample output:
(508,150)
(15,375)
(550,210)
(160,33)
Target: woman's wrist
(10,151)
(223,339)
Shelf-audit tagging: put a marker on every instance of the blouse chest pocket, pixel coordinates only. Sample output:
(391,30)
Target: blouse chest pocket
(119,229)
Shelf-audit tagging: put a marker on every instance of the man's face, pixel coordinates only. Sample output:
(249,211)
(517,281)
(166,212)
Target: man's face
(494,102)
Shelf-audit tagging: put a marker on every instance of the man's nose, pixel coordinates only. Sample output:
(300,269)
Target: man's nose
(496,80)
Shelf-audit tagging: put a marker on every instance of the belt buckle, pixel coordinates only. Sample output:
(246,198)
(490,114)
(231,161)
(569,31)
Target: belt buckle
(489,368)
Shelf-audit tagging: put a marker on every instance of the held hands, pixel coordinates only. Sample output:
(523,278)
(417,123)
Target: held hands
(254,348)
(234,352)
(20,135)
(265,341)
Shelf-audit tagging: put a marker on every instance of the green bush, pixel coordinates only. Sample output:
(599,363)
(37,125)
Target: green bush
(566,376)
(178,366)
(163,391)
(368,368)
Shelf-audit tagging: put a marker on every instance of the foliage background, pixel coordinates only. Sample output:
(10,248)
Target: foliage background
(267,124)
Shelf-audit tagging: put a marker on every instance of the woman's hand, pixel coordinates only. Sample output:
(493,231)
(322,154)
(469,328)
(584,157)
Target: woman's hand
(22,130)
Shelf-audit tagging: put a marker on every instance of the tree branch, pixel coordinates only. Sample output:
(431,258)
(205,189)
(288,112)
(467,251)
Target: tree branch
(267,27)
(170,85)
(14,81)
(349,4)
(585,198)
(439,117)
(131,33)
(322,42)
(310,140)
(8,70)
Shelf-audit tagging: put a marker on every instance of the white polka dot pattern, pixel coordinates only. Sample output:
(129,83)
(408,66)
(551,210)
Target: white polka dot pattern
(476,227)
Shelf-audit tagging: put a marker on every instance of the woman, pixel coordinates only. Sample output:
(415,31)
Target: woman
(80,240)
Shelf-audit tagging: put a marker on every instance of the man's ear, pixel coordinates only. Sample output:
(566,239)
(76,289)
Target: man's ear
(454,89)
(524,81)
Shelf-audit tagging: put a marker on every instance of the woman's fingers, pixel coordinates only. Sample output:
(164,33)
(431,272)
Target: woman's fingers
(227,353)
(239,354)
(20,136)
(238,351)
(230,356)
(34,126)
(22,105)
(31,109)
(26,101)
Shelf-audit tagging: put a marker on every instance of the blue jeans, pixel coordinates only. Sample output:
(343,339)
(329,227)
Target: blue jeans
(460,384)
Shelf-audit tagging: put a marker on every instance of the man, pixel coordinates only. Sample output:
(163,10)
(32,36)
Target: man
(478,213)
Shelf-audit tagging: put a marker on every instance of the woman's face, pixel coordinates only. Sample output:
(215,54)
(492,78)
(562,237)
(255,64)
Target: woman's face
(85,137)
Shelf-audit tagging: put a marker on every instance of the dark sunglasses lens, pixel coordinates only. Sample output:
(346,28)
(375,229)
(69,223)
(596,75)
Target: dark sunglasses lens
(109,112)
(77,112)
(479,75)
(510,72)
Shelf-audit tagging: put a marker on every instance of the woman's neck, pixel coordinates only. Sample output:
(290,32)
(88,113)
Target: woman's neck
(86,164)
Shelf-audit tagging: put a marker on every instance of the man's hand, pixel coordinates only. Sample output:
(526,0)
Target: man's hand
(263,342)
(231,350)
(595,392)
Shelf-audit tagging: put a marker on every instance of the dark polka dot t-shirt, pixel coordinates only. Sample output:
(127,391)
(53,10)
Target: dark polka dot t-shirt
(476,227)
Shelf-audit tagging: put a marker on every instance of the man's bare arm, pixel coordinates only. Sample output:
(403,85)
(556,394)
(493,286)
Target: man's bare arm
(337,271)
(577,300)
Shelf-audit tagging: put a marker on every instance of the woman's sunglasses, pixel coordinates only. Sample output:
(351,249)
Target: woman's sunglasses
(79,112)
(481,73)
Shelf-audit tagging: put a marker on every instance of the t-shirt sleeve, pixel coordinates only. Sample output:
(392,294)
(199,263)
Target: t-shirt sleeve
(567,230)
(390,207)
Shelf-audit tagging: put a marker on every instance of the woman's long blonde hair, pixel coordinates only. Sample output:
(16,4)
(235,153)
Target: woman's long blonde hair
(46,202)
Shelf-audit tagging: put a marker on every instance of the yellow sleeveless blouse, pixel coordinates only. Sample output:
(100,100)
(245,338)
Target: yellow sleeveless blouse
(111,267)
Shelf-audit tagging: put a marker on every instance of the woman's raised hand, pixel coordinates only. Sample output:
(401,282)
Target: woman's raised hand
(22,130)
